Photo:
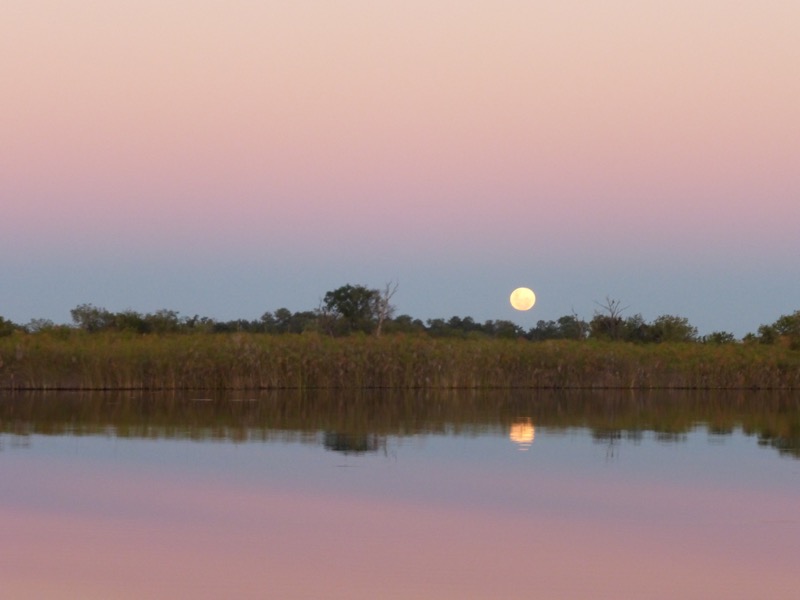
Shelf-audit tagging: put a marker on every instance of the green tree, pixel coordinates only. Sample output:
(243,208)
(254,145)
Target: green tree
(439,327)
(503,329)
(719,337)
(404,324)
(130,320)
(7,327)
(350,308)
(788,324)
(465,325)
(636,329)
(39,325)
(302,321)
(669,328)
(785,329)
(163,321)
(269,323)
(607,323)
(92,318)
(239,325)
(285,321)
(570,327)
(544,330)
(198,324)
(767,334)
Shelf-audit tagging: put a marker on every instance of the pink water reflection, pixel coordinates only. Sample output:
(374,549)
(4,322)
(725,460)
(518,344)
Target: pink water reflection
(130,533)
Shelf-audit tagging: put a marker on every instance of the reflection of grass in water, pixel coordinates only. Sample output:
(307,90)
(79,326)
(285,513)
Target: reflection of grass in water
(359,418)
(257,361)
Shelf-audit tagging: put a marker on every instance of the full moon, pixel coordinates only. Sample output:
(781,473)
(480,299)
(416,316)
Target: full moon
(523,298)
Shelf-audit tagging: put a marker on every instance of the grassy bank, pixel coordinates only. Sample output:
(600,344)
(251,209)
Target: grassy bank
(108,361)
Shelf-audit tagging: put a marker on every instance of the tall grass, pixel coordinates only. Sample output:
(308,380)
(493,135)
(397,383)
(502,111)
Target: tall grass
(116,361)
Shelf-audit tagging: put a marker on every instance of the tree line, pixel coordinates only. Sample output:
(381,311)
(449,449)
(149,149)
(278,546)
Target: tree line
(358,309)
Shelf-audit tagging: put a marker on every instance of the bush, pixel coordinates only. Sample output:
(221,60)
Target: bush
(7,327)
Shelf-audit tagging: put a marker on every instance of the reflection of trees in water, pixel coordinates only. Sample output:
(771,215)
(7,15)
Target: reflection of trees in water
(785,442)
(15,441)
(790,447)
(668,437)
(370,416)
(612,438)
(353,443)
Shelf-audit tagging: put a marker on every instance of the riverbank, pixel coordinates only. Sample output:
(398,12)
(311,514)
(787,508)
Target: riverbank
(114,361)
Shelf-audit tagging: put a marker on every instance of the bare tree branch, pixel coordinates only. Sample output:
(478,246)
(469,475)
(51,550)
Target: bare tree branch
(385,310)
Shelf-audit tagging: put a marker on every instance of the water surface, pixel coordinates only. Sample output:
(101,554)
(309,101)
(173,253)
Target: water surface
(414,495)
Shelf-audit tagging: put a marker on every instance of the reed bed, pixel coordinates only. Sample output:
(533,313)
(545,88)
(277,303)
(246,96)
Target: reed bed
(116,361)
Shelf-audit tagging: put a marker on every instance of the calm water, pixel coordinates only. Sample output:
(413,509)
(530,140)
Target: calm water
(459,495)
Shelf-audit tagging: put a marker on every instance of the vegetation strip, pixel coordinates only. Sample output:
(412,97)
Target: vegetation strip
(244,361)
(354,341)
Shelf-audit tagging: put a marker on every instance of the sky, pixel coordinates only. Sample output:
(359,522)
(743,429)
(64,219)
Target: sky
(228,158)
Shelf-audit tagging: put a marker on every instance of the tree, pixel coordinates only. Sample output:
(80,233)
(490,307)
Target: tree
(635,329)
(767,334)
(6,327)
(384,308)
(544,330)
(786,329)
(607,323)
(568,327)
(571,327)
(459,327)
(669,328)
(91,318)
(130,320)
(285,321)
(198,324)
(788,324)
(38,325)
(350,308)
(269,323)
(464,325)
(719,337)
(238,326)
(404,324)
(504,329)
(438,327)
(163,321)
(302,321)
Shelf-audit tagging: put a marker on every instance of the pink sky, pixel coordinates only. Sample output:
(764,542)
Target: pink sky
(646,151)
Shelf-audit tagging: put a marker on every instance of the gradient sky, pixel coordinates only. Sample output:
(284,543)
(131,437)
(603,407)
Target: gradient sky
(225,158)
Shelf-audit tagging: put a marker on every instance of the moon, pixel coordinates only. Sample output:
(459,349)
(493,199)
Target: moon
(523,298)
